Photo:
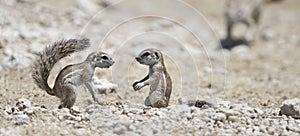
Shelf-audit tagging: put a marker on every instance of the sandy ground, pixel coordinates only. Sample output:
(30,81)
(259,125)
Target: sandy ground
(262,76)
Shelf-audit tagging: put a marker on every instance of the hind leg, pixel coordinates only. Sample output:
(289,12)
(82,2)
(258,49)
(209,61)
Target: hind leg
(251,30)
(250,35)
(229,30)
(158,100)
(69,97)
(253,24)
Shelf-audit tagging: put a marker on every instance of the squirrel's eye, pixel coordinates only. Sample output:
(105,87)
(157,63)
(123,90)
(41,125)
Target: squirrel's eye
(146,54)
(104,57)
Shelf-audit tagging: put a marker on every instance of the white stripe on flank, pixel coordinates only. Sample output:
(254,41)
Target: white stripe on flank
(165,84)
(71,74)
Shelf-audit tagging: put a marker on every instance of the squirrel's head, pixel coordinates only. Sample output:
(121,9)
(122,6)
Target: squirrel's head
(100,59)
(149,57)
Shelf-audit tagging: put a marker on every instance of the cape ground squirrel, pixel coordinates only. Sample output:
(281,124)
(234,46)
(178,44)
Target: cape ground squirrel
(71,76)
(244,11)
(158,78)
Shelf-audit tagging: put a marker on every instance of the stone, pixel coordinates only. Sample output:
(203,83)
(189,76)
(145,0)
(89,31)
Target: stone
(29,111)
(233,118)
(259,111)
(103,86)
(65,114)
(203,104)
(229,112)
(40,109)
(23,103)
(75,110)
(290,107)
(225,104)
(21,119)
(219,117)
(8,109)
(268,35)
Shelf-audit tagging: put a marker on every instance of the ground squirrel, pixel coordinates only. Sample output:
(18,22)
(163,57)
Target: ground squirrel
(71,76)
(247,12)
(158,78)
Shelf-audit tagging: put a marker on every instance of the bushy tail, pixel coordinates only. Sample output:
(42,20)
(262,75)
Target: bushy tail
(50,55)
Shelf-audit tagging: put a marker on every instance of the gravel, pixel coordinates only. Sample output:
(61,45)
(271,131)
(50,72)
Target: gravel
(125,119)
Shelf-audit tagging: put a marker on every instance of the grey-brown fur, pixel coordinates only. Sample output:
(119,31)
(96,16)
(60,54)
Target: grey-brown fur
(71,76)
(247,12)
(158,78)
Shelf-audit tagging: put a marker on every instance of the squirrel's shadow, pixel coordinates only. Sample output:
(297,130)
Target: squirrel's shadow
(229,43)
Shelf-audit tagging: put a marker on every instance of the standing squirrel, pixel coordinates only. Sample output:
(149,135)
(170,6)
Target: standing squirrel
(246,12)
(158,78)
(71,76)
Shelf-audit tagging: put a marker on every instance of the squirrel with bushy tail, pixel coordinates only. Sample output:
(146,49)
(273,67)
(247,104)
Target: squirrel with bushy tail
(71,76)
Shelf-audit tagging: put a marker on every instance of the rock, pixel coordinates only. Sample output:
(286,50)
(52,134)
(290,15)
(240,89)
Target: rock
(65,114)
(21,119)
(258,111)
(225,104)
(136,111)
(203,104)
(92,108)
(196,103)
(29,111)
(23,103)
(75,110)
(268,35)
(41,109)
(69,117)
(103,86)
(219,117)
(8,109)
(294,128)
(229,112)
(8,117)
(242,52)
(8,52)
(233,118)
(290,108)
(183,100)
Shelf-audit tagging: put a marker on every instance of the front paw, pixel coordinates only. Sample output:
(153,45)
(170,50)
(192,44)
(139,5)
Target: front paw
(137,86)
